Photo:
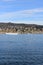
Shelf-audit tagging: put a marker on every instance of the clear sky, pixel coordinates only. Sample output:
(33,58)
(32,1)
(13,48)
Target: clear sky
(21,11)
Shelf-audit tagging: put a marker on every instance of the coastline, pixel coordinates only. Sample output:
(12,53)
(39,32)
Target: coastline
(16,33)
(12,28)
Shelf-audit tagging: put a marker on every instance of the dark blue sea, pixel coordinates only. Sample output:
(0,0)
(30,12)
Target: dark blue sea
(21,49)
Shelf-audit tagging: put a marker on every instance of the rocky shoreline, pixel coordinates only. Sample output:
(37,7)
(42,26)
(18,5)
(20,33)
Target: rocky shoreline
(20,28)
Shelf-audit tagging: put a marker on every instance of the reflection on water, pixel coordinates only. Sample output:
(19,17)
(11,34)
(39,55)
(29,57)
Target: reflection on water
(25,49)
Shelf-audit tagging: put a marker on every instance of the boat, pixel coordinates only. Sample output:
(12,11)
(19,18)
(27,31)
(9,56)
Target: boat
(11,33)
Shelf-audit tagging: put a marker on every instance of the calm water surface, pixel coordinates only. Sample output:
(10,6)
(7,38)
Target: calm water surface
(25,49)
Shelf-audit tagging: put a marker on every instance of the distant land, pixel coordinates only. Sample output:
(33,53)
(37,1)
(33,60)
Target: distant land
(20,28)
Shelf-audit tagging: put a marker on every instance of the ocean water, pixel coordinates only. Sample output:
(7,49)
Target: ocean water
(21,49)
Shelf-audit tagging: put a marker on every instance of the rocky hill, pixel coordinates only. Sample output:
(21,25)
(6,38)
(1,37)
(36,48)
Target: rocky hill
(20,28)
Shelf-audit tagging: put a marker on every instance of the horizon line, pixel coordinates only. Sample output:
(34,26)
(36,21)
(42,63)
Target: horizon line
(22,23)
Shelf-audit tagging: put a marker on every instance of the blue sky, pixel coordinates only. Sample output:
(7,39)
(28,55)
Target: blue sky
(21,11)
